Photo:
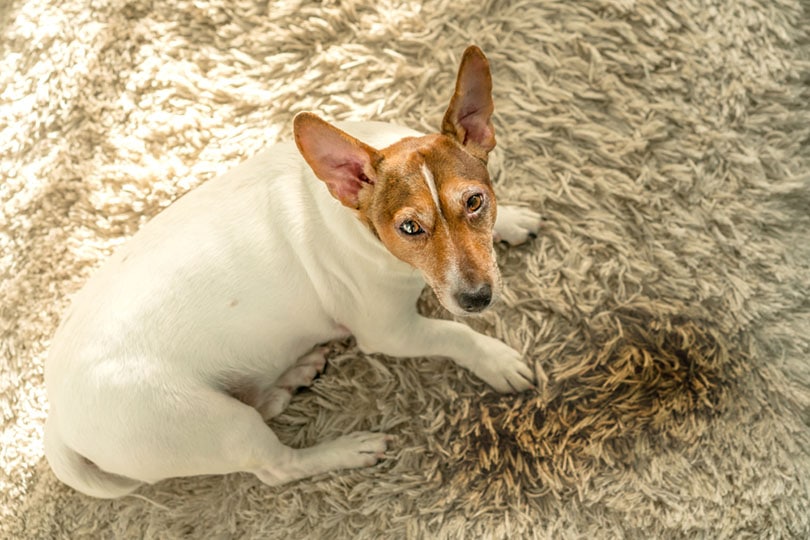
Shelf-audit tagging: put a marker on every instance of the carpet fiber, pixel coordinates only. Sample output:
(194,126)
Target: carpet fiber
(667,144)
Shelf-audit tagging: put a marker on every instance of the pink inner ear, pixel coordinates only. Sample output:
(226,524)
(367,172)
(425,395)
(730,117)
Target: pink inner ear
(470,110)
(350,168)
(476,128)
(346,179)
(344,191)
(341,161)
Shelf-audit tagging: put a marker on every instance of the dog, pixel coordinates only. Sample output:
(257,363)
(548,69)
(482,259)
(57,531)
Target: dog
(176,353)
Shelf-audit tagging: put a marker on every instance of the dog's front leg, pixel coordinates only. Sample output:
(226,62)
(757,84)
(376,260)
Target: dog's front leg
(496,363)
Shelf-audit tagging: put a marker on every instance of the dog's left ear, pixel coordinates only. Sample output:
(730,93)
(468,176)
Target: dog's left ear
(346,165)
(469,117)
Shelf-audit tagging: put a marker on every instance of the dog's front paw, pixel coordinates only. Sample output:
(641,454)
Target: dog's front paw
(504,370)
(358,449)
(516,224)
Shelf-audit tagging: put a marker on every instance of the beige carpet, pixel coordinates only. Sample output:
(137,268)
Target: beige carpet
(668,298)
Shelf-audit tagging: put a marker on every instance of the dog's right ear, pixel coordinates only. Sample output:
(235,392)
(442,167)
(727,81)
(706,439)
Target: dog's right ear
(346,165)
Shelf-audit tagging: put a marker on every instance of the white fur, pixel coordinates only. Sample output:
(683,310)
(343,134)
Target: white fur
(431,183)
(238,279)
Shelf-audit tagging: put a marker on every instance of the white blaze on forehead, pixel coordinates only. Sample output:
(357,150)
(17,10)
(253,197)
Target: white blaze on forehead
(431,182)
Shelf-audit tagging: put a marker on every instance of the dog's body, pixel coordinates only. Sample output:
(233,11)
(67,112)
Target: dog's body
(179,349)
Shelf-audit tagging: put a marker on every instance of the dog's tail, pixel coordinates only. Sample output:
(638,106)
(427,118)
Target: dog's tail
(78,472)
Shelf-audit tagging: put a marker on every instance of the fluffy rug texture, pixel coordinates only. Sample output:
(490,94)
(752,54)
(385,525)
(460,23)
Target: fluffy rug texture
(667,144)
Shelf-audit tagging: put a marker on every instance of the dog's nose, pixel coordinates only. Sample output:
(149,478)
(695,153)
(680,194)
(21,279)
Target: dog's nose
(476,300)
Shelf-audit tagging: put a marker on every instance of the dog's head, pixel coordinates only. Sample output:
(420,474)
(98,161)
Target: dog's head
(428,199)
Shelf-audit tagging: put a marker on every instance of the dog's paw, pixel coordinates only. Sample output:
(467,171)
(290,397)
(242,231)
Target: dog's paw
(504,370)
(305,370)
(302,374)
(358,449)
(516,224)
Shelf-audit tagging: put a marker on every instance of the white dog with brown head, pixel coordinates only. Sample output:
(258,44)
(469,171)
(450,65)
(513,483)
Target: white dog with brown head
(178,350)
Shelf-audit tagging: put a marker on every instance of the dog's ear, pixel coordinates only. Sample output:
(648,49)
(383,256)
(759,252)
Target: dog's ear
(469,117)
(345,164)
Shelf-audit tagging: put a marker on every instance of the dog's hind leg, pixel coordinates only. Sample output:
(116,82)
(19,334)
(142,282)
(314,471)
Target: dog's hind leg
(206,431)
(253,447)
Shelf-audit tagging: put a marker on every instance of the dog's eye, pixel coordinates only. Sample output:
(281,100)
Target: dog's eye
(411,228)
(475,202)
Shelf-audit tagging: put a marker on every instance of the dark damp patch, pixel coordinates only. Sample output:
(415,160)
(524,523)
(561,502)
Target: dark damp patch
(628,375)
